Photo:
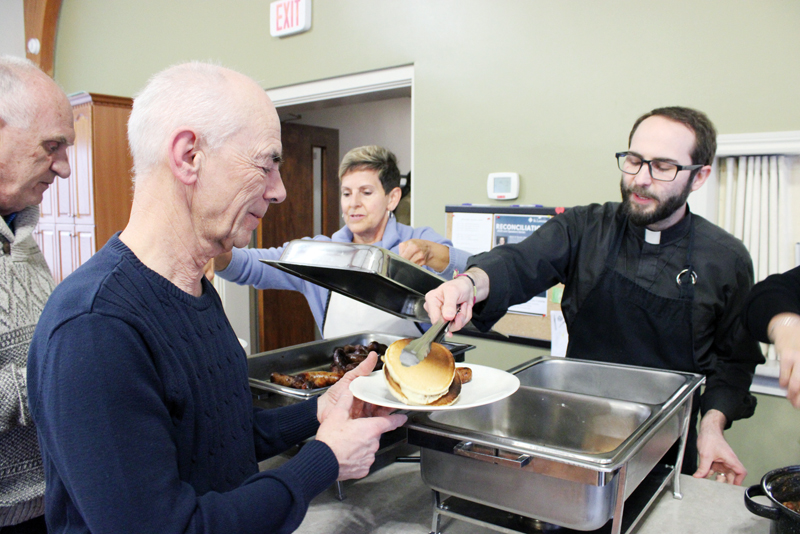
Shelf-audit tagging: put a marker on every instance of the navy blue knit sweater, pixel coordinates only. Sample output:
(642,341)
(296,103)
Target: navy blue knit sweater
(146,424)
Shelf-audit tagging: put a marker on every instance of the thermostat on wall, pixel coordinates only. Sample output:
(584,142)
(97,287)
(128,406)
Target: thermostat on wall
(503,185)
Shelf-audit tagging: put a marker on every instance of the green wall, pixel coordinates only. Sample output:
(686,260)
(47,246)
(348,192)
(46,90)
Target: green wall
(548,89)
(768,440)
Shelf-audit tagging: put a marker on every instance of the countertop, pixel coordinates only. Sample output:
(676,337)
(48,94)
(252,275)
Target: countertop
(394,500)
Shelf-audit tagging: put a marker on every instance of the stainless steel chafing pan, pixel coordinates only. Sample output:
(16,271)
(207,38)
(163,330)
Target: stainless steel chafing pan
(367,273)
(569,447)
(315,356)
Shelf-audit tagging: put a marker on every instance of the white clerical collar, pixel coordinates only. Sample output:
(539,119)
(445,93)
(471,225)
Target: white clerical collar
(654,238)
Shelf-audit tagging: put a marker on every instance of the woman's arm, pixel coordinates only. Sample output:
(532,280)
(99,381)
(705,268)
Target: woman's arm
(243,267)
(432,250)
(423,252)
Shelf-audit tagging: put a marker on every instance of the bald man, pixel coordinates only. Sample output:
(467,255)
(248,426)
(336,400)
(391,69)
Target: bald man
(137,381)
(35,130)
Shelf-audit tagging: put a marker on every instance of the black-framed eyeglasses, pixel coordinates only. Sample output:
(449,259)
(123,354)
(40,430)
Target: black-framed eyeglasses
(663,171)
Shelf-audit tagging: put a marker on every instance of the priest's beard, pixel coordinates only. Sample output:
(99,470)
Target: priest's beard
(664,207)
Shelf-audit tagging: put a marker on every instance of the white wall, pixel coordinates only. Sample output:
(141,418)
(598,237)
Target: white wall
(12,27)
(236,302)
(386,123)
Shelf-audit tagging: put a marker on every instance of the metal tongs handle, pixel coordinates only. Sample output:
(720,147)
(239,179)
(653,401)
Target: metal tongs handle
(417,349)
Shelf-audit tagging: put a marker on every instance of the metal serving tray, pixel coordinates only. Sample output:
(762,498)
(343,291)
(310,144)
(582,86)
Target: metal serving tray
(367,273)
(569,447)
(316,356)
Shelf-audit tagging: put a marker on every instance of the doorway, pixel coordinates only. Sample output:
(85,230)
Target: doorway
(309,173)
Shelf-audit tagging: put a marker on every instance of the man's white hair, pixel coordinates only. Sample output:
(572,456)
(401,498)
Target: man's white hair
(194,95)
(17,101)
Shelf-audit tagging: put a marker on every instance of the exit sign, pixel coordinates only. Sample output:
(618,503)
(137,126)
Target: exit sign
(287,17)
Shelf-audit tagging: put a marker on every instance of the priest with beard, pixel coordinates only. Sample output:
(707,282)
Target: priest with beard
(647,282)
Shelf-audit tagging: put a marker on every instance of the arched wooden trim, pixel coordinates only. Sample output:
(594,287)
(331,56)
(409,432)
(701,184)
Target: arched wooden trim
(41,22)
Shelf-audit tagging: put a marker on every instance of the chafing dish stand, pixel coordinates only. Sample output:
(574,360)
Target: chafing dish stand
(631,511)
(543,471)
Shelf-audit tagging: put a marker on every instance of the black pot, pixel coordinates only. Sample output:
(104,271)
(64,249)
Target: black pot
(779,486)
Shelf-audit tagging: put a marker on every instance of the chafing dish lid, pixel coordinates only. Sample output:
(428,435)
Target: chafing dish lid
(370,274)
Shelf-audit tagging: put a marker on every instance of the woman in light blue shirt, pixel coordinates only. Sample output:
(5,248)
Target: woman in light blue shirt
(370,191)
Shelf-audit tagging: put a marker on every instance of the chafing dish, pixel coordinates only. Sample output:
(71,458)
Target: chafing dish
(570,447)
(367,273)
(370,274)
(313,356)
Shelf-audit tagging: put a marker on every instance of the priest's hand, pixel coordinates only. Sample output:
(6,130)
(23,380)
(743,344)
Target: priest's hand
(716,456)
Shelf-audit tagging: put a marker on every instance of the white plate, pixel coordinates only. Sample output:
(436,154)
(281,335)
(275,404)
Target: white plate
(487,385)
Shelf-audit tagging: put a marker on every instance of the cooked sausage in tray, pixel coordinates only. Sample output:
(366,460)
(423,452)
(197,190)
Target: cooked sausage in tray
(317,357)
(343,359)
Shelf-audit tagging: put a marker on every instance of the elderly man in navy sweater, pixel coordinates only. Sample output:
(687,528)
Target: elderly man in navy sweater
(137,382)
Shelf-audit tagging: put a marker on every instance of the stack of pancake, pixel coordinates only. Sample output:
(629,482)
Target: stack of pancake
(432,382)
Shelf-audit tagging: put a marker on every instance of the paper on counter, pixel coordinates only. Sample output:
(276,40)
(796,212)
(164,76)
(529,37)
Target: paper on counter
(536,306)
(559,338)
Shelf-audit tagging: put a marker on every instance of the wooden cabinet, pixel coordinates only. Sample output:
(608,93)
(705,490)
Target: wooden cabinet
(79,214)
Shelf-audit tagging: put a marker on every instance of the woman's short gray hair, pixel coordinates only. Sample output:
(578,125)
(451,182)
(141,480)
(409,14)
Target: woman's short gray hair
(194,95)
(17,101)
(375,158)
